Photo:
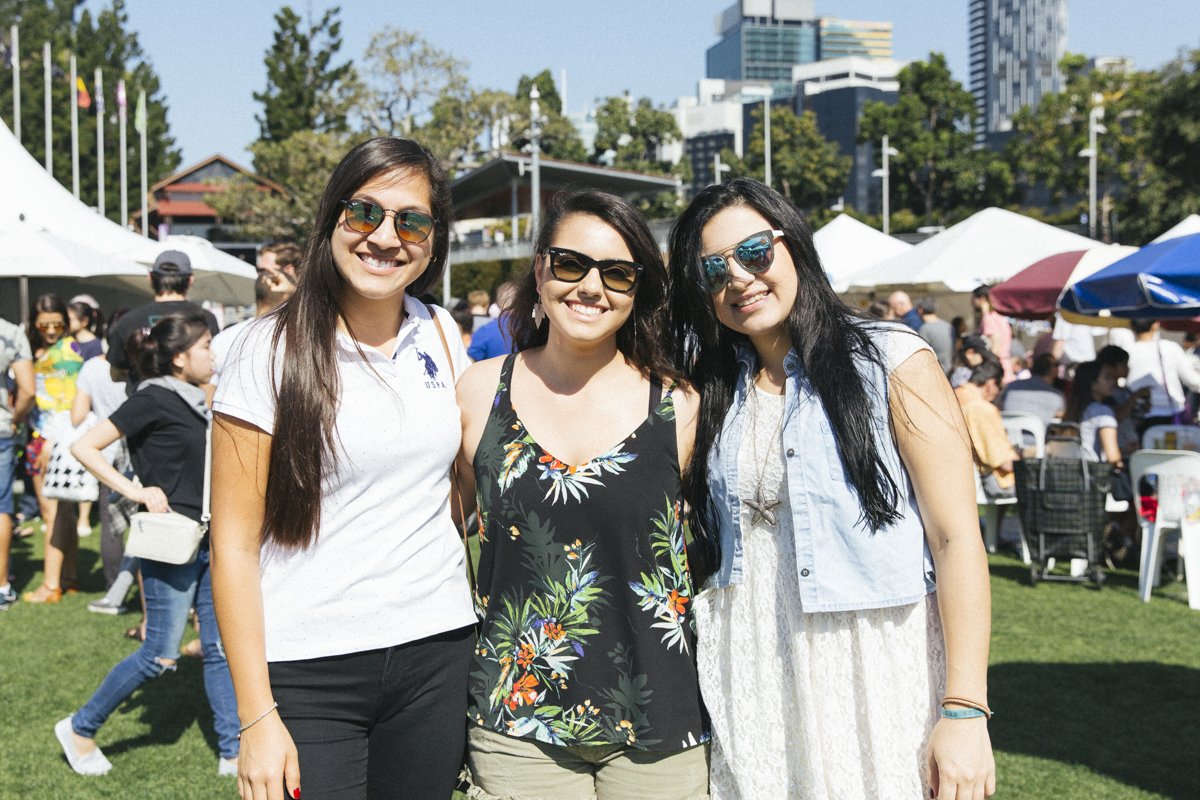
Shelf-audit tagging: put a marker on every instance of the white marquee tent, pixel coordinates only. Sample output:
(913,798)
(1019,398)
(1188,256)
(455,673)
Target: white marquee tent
(1186,226)
(33,201)
(989,246)
(848,247)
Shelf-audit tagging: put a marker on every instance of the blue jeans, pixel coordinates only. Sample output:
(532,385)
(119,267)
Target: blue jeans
(6,480)
(170,591)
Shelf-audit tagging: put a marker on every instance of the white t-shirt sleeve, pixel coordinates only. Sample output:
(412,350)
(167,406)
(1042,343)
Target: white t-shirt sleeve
(898,344)
(248,382)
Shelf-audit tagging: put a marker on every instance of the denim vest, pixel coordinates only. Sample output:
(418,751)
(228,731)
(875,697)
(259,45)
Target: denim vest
(841,564)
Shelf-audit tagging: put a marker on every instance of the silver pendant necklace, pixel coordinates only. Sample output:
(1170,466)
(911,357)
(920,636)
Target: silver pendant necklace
(762,504)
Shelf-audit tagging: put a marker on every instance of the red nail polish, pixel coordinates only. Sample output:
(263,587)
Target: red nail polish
(296,793)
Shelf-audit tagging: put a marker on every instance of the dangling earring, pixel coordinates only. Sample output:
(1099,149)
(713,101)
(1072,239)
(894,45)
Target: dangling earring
(539,314)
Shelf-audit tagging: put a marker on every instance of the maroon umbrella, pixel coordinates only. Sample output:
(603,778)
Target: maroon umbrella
(1033,292)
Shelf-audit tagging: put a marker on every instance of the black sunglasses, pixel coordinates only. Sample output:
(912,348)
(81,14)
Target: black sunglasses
(363,216)
(616,274)
(755,254)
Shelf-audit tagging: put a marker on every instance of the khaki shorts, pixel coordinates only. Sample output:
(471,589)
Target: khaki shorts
(509,768)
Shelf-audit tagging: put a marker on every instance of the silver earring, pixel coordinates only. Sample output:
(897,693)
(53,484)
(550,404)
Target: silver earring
(539,314)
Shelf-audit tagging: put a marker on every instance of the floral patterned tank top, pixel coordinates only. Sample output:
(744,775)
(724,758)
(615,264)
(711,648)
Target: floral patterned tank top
(587,633)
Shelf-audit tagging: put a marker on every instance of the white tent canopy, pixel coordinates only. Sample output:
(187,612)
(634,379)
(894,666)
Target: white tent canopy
(1188,225)
(989,246)
(32,196)
(848,247)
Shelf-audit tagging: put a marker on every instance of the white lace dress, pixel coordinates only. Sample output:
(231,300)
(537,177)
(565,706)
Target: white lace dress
(822,706)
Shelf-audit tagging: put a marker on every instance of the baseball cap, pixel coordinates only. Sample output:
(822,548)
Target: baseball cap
(172,262)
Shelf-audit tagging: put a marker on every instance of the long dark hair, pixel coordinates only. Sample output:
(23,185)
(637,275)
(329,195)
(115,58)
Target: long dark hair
(154,349)
(1086,375)
(304,446)
(824,335)
(91,317)
(45,304)
(642,339)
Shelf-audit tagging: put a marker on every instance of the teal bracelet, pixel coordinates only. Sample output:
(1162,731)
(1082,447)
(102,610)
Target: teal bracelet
(962,713)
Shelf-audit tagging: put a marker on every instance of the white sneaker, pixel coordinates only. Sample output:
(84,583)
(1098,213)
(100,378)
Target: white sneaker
(105,606)
(227,767)
(93,763)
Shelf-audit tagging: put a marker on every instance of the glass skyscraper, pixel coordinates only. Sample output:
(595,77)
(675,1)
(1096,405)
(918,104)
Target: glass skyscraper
(761,40)
(1015,47)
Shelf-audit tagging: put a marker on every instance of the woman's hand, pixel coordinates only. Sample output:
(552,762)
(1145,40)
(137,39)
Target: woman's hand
(961,765)
(153,498)
(267,763)
(43,458)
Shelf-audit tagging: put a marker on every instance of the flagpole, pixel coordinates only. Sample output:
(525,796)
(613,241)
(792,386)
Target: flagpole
(121,115)
(99,101)
(47,68)
(74,129)
(16,68)
(141,113)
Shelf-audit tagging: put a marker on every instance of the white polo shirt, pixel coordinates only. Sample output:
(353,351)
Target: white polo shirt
(388,566)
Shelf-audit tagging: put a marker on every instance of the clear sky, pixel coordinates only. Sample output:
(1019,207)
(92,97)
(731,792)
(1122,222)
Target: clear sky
(209,53)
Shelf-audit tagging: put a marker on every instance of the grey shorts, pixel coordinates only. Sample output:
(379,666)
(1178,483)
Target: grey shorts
(510,768)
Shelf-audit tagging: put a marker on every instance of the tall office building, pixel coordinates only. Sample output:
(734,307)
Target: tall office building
(836,90)
(761,40)
(841,38)
(1015,49)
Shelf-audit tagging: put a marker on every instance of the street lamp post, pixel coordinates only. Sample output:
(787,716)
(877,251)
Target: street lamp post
(885,173)
(535,150)
(718,168)
(765,92)
(1091,153)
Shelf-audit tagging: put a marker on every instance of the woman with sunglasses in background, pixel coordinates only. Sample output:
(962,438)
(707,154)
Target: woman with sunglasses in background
(56,365)
(584,680)
(339,579)
(844,634)
(164,423)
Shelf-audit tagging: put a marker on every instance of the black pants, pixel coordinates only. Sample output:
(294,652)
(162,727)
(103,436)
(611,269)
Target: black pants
(381,723)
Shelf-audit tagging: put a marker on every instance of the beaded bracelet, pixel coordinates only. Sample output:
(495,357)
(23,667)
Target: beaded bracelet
(257,719)
(982,709)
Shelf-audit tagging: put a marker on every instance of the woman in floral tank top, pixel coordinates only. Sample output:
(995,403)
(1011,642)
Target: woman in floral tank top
(584,673)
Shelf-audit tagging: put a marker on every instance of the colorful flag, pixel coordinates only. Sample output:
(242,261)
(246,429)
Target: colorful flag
(122,103)
(81,94)
(139,114)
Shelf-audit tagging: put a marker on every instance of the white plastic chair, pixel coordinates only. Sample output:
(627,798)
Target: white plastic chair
(1187,437)
(993,513)
(1186,465)
(1023,427)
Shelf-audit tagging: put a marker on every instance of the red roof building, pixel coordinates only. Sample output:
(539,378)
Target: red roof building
(178,204)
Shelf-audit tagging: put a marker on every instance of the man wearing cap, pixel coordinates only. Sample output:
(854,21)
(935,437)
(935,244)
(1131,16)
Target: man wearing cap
(171,277)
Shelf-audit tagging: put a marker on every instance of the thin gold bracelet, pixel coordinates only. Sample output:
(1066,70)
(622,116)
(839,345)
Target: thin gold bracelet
(962,701)
(257,719)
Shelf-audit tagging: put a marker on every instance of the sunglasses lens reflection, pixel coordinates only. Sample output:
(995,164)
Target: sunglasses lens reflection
(715,273)
(362,216)
(755,254)
(413,226)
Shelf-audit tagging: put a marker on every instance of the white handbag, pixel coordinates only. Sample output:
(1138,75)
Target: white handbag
(171,537)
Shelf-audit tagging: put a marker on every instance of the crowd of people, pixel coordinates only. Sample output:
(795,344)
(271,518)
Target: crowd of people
(726,528)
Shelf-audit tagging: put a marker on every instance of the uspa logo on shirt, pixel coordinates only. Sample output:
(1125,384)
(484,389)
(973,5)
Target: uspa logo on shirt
(431,370)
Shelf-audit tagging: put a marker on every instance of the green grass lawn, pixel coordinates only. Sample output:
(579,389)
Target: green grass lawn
(1096,695)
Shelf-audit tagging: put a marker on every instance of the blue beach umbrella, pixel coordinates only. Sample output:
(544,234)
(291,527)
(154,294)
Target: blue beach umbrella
(1160,281)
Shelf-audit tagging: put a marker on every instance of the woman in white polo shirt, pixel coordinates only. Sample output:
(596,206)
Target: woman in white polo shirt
(339,580)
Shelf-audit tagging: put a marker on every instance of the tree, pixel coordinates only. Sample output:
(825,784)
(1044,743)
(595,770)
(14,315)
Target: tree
(101,41)
(305,90)
(1042,151)
(930,125)
(559,138)
(635,132)
(805,166)
(302,163)
(408,76)
(458,124)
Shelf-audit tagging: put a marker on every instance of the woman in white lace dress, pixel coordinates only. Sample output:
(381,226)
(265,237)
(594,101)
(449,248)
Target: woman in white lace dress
(843,633)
